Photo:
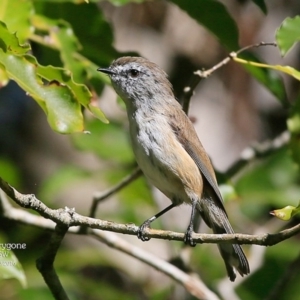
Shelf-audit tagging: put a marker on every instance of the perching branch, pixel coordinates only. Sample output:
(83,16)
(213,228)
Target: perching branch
(193,285)
(63,217)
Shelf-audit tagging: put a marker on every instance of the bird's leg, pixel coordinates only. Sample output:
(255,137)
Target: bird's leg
(146,224)
(188,234)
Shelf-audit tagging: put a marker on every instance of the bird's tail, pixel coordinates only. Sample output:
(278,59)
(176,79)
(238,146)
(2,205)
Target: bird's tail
(216,218)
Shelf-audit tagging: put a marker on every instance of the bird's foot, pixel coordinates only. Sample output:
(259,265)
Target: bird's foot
(141,231)
(188,239)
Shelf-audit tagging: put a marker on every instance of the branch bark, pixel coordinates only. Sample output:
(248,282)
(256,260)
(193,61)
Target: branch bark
(64,217)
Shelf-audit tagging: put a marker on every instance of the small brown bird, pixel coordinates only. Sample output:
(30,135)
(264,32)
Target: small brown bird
(170,153)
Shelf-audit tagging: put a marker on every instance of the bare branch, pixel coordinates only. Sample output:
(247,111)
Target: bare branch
(63,217)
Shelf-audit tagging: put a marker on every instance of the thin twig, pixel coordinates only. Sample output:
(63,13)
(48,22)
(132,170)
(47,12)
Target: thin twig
(188,91)
(260,44)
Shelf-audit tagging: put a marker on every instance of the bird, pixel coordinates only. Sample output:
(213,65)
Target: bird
(170,154)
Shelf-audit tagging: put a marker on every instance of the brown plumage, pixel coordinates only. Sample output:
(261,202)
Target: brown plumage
(170,153)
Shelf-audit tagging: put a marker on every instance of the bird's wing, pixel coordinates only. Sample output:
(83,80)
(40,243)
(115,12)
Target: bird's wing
(187,136)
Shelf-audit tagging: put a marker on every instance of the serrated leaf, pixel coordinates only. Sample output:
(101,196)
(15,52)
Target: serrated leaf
(62,37)
(214,16)
(288,34)
(58,101)
(53,88)
(10,43)
(15,14)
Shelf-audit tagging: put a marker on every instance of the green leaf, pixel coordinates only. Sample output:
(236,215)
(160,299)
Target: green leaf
(3,78)
(214,16)
(62,37)
(288,34)
(53,88)
(78,65)
(285,69)
(10,43)
(286,213)
(97,39)
(16,14)
(57,100)
(262,5)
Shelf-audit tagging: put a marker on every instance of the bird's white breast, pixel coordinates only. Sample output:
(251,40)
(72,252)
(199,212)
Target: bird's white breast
(161,157)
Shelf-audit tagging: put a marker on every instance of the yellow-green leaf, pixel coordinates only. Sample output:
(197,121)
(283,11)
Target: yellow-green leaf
(285,69)
(286,213)
(62,37)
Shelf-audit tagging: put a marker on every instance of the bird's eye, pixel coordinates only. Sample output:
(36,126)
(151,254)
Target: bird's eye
(133,73)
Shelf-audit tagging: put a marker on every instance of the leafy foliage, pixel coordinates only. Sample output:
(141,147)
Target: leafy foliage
(54,88)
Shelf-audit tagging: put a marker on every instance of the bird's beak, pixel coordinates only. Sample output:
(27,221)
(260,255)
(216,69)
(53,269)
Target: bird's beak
(106,71)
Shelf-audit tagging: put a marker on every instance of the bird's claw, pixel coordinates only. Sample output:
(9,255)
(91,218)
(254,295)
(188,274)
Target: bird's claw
(141,232)
(188,239)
